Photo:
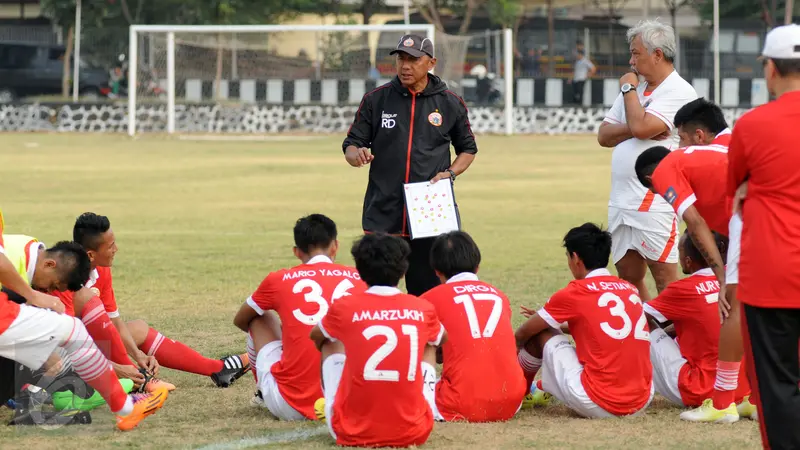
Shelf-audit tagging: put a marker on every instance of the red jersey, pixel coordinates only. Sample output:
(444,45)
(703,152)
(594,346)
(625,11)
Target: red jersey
(8,309)
(101,284)
(697,175)
(691,305)
(482,380)
(612,339)
(302,296)
(764,153)
(380,402)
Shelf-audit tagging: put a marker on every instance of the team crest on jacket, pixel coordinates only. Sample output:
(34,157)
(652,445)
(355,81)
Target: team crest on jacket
(408,42)
(435,119)
(95,291)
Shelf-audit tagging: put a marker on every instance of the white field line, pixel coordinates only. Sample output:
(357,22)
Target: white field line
(300,434)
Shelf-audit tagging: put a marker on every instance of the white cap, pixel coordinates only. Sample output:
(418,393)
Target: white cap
(782,43)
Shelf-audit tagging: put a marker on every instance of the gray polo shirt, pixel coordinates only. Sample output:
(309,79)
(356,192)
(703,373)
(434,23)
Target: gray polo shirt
(582,68)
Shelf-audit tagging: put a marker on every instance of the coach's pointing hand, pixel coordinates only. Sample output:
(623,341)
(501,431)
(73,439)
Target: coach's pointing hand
(358,157)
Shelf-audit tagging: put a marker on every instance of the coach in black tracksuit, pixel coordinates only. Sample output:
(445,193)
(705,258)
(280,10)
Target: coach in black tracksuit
(404,130)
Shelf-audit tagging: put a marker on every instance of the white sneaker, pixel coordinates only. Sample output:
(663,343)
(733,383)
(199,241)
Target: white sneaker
(257,401)
(707,413)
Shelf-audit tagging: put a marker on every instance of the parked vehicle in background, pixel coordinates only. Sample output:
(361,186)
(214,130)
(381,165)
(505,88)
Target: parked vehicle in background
(31,69)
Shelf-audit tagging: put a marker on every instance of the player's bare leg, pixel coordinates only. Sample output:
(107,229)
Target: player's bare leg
(178,356)
(663,274)
(332,366)
(633,268)
(530,359)
(731,351)
(721,407)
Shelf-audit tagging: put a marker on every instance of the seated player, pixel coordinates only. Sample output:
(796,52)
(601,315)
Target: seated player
(481,379)
(285,360)
(373,345)
(684,374)
(25,253)
(694,181)
(146,345)
(608,372)
(30,335)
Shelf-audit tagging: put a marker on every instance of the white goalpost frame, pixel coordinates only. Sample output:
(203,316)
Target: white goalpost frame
(170,30)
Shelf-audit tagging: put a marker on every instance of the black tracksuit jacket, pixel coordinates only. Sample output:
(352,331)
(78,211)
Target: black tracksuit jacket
(410,136)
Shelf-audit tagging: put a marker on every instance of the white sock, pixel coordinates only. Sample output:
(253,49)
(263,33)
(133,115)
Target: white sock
(429,383)
(127,409)
(529,363)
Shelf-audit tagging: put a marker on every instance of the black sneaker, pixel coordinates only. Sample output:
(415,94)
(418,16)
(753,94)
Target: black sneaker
(234,367)
(24,416)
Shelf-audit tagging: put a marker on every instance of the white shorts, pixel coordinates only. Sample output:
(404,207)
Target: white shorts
(654,235)
(332,370)
(561,377)
(34,335)
(273,400)
(667,363)
(734,249)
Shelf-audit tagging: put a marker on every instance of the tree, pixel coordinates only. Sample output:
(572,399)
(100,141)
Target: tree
(611,8)
(432,10)
(62,12)
(768,12)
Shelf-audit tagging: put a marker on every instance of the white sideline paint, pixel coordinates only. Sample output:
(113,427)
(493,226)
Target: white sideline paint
(222,137)
(300,434)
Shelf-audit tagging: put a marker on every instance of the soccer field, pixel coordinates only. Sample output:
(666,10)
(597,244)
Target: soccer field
(200,224)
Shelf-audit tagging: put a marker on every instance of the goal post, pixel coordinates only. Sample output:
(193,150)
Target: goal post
(187,78)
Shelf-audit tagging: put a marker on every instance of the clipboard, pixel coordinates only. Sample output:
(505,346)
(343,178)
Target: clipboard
(431,208)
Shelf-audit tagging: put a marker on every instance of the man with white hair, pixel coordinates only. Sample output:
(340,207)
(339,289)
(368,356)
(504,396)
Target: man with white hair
(643,225)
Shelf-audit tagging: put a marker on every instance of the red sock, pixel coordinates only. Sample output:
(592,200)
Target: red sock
(90,364)
(725,383)
(178,356)
(104,333)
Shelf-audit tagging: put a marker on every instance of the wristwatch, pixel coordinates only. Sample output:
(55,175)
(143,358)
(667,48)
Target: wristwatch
(627,87)
(452,175)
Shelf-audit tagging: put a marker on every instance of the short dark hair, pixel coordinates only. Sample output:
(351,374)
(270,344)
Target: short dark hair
(591,243)
(690,249)
(703,114)
(314,231)
(647,162)
(454,253)
(73,266)
(787,67)
(381,259)
(88,229)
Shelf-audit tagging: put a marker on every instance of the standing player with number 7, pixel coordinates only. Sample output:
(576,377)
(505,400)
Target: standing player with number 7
(608,373)
(378,350)
(285,360)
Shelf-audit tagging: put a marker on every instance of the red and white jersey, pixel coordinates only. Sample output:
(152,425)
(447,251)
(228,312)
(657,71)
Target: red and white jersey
(698,175)
(663,102)
(612,339)
(8,309)
(101,284)
(481,380)
(380,400)
(302,296)
(691,305)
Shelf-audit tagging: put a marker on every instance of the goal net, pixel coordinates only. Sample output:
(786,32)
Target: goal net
(272,78)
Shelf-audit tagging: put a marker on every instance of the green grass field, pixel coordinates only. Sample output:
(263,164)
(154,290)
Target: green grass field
(199,224)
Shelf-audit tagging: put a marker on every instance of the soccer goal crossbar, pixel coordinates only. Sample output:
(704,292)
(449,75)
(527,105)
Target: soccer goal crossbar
(268,69)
